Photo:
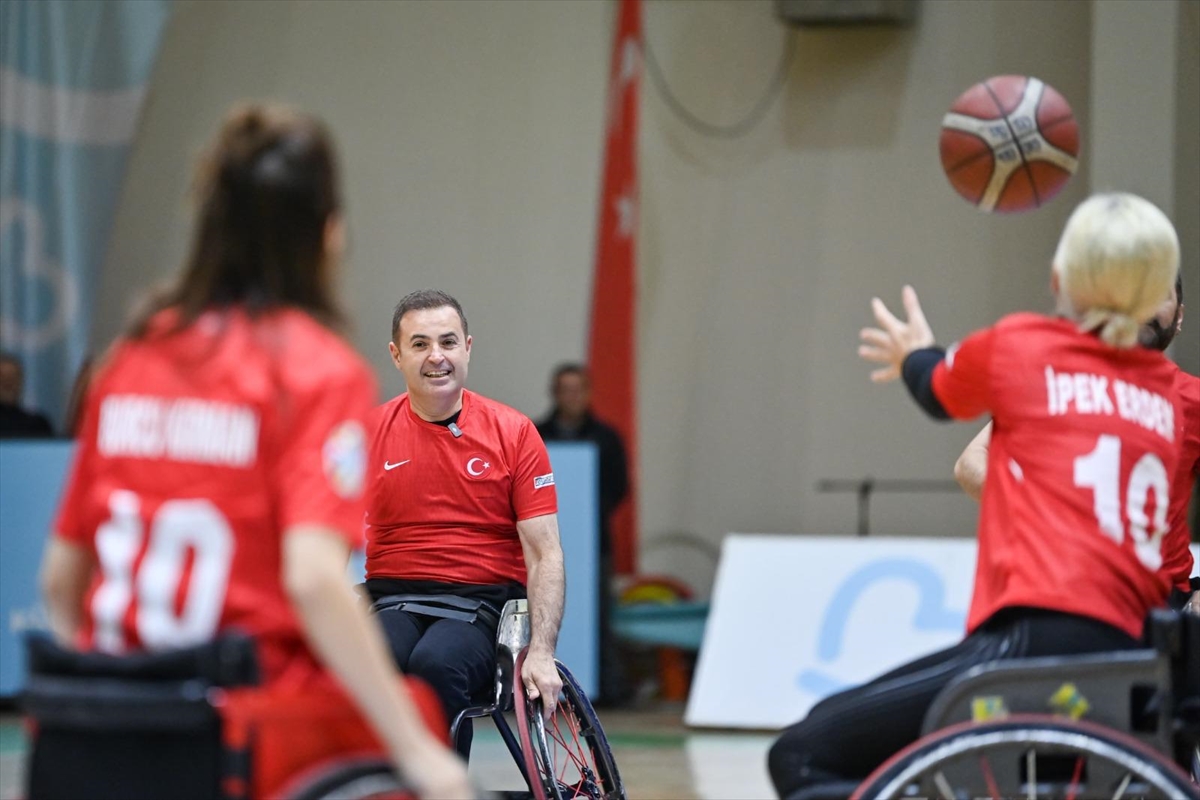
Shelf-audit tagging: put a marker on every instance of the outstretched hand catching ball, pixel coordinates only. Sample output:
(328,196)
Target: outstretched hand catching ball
(891,343)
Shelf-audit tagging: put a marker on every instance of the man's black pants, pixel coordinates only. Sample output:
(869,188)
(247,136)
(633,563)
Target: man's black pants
(456,658)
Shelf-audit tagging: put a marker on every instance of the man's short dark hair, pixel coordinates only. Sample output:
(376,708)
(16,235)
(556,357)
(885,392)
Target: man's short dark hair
(422,300)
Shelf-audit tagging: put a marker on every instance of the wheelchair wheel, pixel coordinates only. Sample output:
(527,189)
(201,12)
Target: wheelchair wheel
(1028,756)
(357,779)
(567,757)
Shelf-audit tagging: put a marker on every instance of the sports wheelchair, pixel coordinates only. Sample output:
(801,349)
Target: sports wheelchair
(1113,725)
(194,724)
(567,757)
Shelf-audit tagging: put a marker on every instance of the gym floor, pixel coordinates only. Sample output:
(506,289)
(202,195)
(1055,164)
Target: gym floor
(659,758)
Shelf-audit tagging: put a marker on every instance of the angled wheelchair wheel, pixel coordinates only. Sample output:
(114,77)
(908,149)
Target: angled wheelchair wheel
(350,779)
(567,757)
(1028,756)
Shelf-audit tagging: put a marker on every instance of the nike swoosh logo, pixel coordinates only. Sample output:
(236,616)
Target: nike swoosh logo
(389,466)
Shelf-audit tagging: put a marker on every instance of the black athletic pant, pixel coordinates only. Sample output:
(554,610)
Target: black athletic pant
(845,736)
(456,658)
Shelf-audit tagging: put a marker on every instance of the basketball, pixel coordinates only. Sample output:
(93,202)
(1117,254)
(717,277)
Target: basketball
(1009,143)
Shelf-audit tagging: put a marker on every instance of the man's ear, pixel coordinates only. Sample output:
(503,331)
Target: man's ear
(395,354)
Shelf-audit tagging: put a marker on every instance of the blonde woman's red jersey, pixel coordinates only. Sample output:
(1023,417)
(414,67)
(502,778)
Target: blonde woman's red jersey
(1084,444)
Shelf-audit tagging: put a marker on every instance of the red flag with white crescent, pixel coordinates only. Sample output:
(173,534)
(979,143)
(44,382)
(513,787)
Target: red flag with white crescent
(611,355)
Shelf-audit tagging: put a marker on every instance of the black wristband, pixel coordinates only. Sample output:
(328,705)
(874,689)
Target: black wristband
(917,371)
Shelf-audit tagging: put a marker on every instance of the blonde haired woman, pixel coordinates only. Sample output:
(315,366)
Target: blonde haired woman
(1075,506)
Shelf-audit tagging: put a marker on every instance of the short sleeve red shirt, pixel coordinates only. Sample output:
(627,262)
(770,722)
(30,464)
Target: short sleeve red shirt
(1178,561)
(199,448)
(445,508)
(1083,447)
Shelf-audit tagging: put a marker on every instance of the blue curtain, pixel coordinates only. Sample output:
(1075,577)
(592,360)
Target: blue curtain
(73,75)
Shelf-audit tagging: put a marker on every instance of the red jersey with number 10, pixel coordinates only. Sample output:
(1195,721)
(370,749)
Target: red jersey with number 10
(199,448)
(444,507)
(1084,446)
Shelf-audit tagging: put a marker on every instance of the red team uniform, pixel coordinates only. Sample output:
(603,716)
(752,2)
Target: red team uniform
(263,421)
(1177,558)
(474,482)
(1084,444)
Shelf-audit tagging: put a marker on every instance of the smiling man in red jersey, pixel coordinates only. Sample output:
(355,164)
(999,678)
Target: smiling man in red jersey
(461,517)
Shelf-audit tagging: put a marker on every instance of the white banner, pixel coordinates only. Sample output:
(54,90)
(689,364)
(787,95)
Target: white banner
(795,618)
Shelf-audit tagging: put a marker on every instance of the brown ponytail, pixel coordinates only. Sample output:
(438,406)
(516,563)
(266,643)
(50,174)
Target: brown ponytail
(265,189)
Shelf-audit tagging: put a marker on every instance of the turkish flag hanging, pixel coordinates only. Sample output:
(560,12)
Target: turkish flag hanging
(614,288)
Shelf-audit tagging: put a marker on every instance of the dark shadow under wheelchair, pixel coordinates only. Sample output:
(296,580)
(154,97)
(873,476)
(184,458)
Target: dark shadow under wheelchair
(1106,725)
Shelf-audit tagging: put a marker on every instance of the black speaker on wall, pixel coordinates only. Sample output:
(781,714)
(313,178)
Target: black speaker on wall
(846,12)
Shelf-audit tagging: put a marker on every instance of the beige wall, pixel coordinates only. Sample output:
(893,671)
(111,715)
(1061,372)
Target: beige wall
(470,134)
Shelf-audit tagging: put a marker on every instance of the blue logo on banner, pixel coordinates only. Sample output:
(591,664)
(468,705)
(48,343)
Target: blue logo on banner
(932,614)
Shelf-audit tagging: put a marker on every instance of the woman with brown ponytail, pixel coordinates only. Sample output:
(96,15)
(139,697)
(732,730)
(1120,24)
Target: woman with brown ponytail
(219,477)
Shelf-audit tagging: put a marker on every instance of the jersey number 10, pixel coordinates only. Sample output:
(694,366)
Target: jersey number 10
(1100,471)
(178,527)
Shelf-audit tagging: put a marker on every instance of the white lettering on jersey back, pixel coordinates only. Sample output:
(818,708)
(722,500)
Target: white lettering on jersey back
(1148,409)
(1086,393)
(187,430)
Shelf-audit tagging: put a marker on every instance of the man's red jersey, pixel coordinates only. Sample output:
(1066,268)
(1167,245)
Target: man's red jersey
(199,448)
(1084,444)
(444,507)
(1177,558)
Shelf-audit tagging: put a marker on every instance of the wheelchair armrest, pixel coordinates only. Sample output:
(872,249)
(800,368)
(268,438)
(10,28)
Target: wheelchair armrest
(513,632)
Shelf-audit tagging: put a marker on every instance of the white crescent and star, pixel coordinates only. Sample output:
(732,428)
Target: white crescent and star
(471,467)
(626,214)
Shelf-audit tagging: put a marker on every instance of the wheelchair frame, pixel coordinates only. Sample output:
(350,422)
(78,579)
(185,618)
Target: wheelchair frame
(1125,724)
(533,752)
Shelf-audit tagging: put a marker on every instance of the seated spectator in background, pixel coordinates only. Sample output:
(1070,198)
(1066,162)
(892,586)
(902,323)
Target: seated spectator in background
(16,422)
(571,420)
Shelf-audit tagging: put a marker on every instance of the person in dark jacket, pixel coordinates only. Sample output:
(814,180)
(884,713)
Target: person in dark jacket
(15,421)
(571,420)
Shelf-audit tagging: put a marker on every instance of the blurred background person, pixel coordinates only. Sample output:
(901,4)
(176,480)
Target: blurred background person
(15,421)
(571,420)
